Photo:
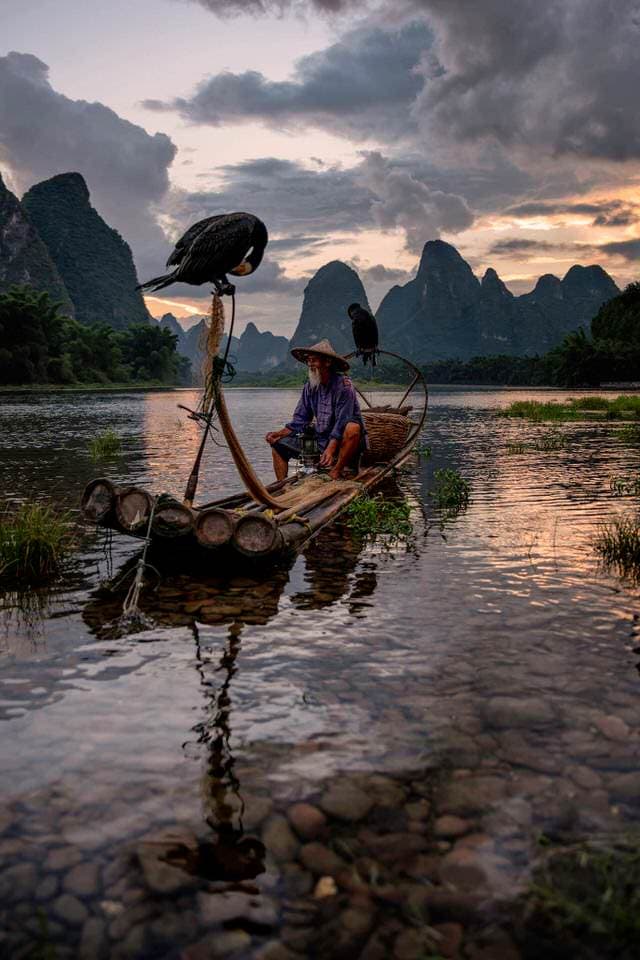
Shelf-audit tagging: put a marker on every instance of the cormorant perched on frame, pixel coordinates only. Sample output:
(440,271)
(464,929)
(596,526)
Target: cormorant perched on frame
(365,333)
(210,249)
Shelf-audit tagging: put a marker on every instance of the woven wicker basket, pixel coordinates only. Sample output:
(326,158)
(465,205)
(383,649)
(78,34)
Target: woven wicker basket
(387,435)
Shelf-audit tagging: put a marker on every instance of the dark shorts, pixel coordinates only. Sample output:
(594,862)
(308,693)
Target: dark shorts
(288,447)
(291,446)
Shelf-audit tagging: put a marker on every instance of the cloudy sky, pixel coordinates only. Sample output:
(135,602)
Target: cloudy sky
(357,129)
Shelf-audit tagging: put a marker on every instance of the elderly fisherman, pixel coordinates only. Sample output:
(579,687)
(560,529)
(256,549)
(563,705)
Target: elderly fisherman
(330,404)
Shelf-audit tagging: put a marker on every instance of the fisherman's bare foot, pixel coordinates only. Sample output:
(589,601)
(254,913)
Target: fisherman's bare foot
(336,473)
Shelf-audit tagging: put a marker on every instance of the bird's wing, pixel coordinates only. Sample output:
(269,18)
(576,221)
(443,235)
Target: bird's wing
(222,244)
(187,239)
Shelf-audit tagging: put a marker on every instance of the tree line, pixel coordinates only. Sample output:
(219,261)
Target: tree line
(609,352)
(39,344)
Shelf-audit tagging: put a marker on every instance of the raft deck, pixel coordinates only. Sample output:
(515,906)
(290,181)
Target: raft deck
(236,524)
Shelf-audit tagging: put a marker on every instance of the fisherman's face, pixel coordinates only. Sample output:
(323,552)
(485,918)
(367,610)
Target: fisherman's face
(319,369)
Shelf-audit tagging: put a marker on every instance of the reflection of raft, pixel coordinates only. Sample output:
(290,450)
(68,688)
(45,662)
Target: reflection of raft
(269,522)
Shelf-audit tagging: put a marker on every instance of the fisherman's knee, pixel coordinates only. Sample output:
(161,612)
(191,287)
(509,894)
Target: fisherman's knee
(352,431)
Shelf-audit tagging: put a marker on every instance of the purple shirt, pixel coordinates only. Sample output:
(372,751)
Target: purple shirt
(332,407)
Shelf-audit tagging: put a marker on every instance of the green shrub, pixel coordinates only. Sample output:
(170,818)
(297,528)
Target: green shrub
(451,491)
(625,486)
(630,434)
(105,446)
(618,545)
(620,408)
(589,894)
(33,542)
(371,516)
(543,444)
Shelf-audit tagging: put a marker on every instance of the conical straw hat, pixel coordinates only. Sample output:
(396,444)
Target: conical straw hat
(322,349)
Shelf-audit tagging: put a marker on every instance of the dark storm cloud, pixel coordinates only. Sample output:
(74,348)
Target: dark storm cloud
(522,248)
(557,77)
(608,213)
(236,7)
(293,199)
(378,273)
(402,200)
(627,249)
(43,133)
(360,87)
(287,196)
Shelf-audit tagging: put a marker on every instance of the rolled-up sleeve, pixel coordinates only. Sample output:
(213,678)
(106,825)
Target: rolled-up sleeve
(346,411)
(303,413)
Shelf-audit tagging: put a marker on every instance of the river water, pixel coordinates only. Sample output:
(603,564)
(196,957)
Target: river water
(363,753)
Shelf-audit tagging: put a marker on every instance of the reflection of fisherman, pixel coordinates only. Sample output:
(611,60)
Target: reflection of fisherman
(329,400)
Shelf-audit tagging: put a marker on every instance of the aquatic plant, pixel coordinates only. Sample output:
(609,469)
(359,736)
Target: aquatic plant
(625,486)
(589,893)
(34,540)
(451,491)
(422,450)
(105,446)
(618,544)
(620,408)
(630,434)
(371,516)
(543,444)
(537,411)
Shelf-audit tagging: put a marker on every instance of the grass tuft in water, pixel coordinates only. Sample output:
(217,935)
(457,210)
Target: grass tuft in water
(630,434)
(372,516)
(422,450)
(618,545)
(105,446)
(546,443)
(625,486)
(34,541)
(621,408)
(451,491)
(589,894)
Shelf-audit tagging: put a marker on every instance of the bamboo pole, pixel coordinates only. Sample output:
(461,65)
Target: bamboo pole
(255,487)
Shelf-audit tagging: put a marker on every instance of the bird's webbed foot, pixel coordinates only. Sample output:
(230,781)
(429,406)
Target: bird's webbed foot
(224,288)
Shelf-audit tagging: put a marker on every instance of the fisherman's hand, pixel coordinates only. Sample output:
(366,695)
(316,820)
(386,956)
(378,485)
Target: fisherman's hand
(274,436)
(327,458)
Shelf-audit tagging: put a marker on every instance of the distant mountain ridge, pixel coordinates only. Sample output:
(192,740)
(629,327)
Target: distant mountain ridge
(446,312)
(24,258)
(252,352)
(324,307)
(93,260)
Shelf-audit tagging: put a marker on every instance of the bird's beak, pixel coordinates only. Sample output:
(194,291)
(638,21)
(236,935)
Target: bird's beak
(242,270)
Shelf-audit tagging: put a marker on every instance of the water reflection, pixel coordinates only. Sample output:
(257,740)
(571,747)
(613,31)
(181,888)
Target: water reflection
(182,599)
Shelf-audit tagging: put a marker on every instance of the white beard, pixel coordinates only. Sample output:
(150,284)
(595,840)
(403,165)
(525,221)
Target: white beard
(314,378)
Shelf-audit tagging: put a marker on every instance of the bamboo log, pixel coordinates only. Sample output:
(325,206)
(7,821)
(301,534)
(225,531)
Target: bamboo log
(98,500)
(172,519)
(214,528)
(133,506)
(255,535)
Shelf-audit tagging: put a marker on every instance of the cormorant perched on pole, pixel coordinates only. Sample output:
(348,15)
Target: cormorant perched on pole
(365,333)
(210,249)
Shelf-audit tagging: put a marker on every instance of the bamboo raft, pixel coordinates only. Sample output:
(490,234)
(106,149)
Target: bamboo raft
(259,523)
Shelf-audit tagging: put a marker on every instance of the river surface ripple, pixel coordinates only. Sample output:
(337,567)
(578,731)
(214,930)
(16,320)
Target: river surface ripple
(441,705)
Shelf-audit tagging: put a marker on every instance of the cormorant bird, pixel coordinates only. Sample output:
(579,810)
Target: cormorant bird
(210,249)
(365,333)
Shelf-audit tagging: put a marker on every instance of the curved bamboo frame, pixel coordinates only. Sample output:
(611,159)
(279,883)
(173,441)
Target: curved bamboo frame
(418,379)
